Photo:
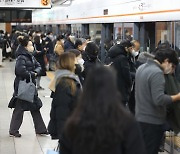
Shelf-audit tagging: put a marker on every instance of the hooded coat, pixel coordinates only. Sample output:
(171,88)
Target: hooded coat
(121,64)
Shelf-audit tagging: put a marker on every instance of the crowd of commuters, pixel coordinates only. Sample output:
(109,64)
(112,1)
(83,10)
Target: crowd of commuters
(117,106)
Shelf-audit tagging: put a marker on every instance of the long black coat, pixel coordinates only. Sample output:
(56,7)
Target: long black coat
(40,57)
(89,62)
(26,64)
(122,66)
(62,106)
(132,142)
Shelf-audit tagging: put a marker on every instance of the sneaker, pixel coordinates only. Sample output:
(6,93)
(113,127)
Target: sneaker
(14,135)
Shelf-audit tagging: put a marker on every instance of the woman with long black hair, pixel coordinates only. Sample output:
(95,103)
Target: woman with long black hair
(100,124)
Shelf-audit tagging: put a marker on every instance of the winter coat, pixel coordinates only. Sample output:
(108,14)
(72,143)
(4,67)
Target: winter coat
(40,58)
(26,64)
(68,45)
(132,142)
(49,46)
(122,66)
(62,106)
(59,48)
(172,87)
(1,41)
(89,62)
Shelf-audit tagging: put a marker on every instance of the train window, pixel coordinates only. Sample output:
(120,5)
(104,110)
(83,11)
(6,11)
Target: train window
(128,31)
(95,32)
(76,30)
(177,37)
(123,31)
(164,32)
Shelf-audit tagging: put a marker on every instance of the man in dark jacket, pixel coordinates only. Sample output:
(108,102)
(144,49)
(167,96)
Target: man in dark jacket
(1,45)
(120,61)
(49,49)
(69,43)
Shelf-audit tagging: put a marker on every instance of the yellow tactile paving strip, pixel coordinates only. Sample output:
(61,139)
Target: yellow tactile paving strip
(176,140)
(50,74)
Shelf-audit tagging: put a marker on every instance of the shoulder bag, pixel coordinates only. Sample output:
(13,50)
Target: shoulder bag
(26,91)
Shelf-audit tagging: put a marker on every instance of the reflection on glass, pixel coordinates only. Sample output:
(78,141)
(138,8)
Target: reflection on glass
(163,32)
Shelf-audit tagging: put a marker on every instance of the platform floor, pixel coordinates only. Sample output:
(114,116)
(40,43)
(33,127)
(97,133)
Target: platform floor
(29,143)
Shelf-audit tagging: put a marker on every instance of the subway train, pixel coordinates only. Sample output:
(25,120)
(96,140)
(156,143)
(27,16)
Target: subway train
(150,22)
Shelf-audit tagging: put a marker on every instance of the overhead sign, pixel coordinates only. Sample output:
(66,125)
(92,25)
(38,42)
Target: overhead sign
(30,4)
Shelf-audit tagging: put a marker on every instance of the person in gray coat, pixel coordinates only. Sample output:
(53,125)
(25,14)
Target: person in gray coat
(151,101)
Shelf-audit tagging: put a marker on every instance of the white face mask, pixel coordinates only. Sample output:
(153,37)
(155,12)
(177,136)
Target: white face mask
(135,53)
(30,47)
(80,61)
(168,69)
(62,41)
(51,37)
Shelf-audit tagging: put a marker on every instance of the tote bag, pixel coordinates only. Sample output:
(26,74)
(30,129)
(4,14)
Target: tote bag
(8,48)
(26,91)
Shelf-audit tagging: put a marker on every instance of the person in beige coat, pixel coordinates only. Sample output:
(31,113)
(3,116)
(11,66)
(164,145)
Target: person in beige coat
(59,47)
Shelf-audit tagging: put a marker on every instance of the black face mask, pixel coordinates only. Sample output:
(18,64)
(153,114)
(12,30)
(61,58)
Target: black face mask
(78,69)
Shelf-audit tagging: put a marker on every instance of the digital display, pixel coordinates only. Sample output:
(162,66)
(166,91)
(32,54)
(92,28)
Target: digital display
(17,16)
(5,16)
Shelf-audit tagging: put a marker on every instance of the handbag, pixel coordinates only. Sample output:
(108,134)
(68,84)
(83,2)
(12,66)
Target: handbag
(26,91)
(8,48)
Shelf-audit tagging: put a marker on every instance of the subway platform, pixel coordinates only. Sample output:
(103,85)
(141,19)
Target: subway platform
(29,143)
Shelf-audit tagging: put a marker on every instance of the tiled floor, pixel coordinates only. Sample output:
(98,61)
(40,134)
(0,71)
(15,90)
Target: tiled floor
(29,143)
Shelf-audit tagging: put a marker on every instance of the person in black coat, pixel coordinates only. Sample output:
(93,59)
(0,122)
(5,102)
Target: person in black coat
(100,124)
(65,88)
(39,55)
(26,66)
(69,43)
(120,61)
(90,57)
(49,48)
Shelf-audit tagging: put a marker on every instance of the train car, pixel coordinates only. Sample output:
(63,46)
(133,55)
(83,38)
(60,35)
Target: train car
(150,22)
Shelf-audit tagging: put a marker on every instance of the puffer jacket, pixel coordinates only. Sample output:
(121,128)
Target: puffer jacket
(26,65)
